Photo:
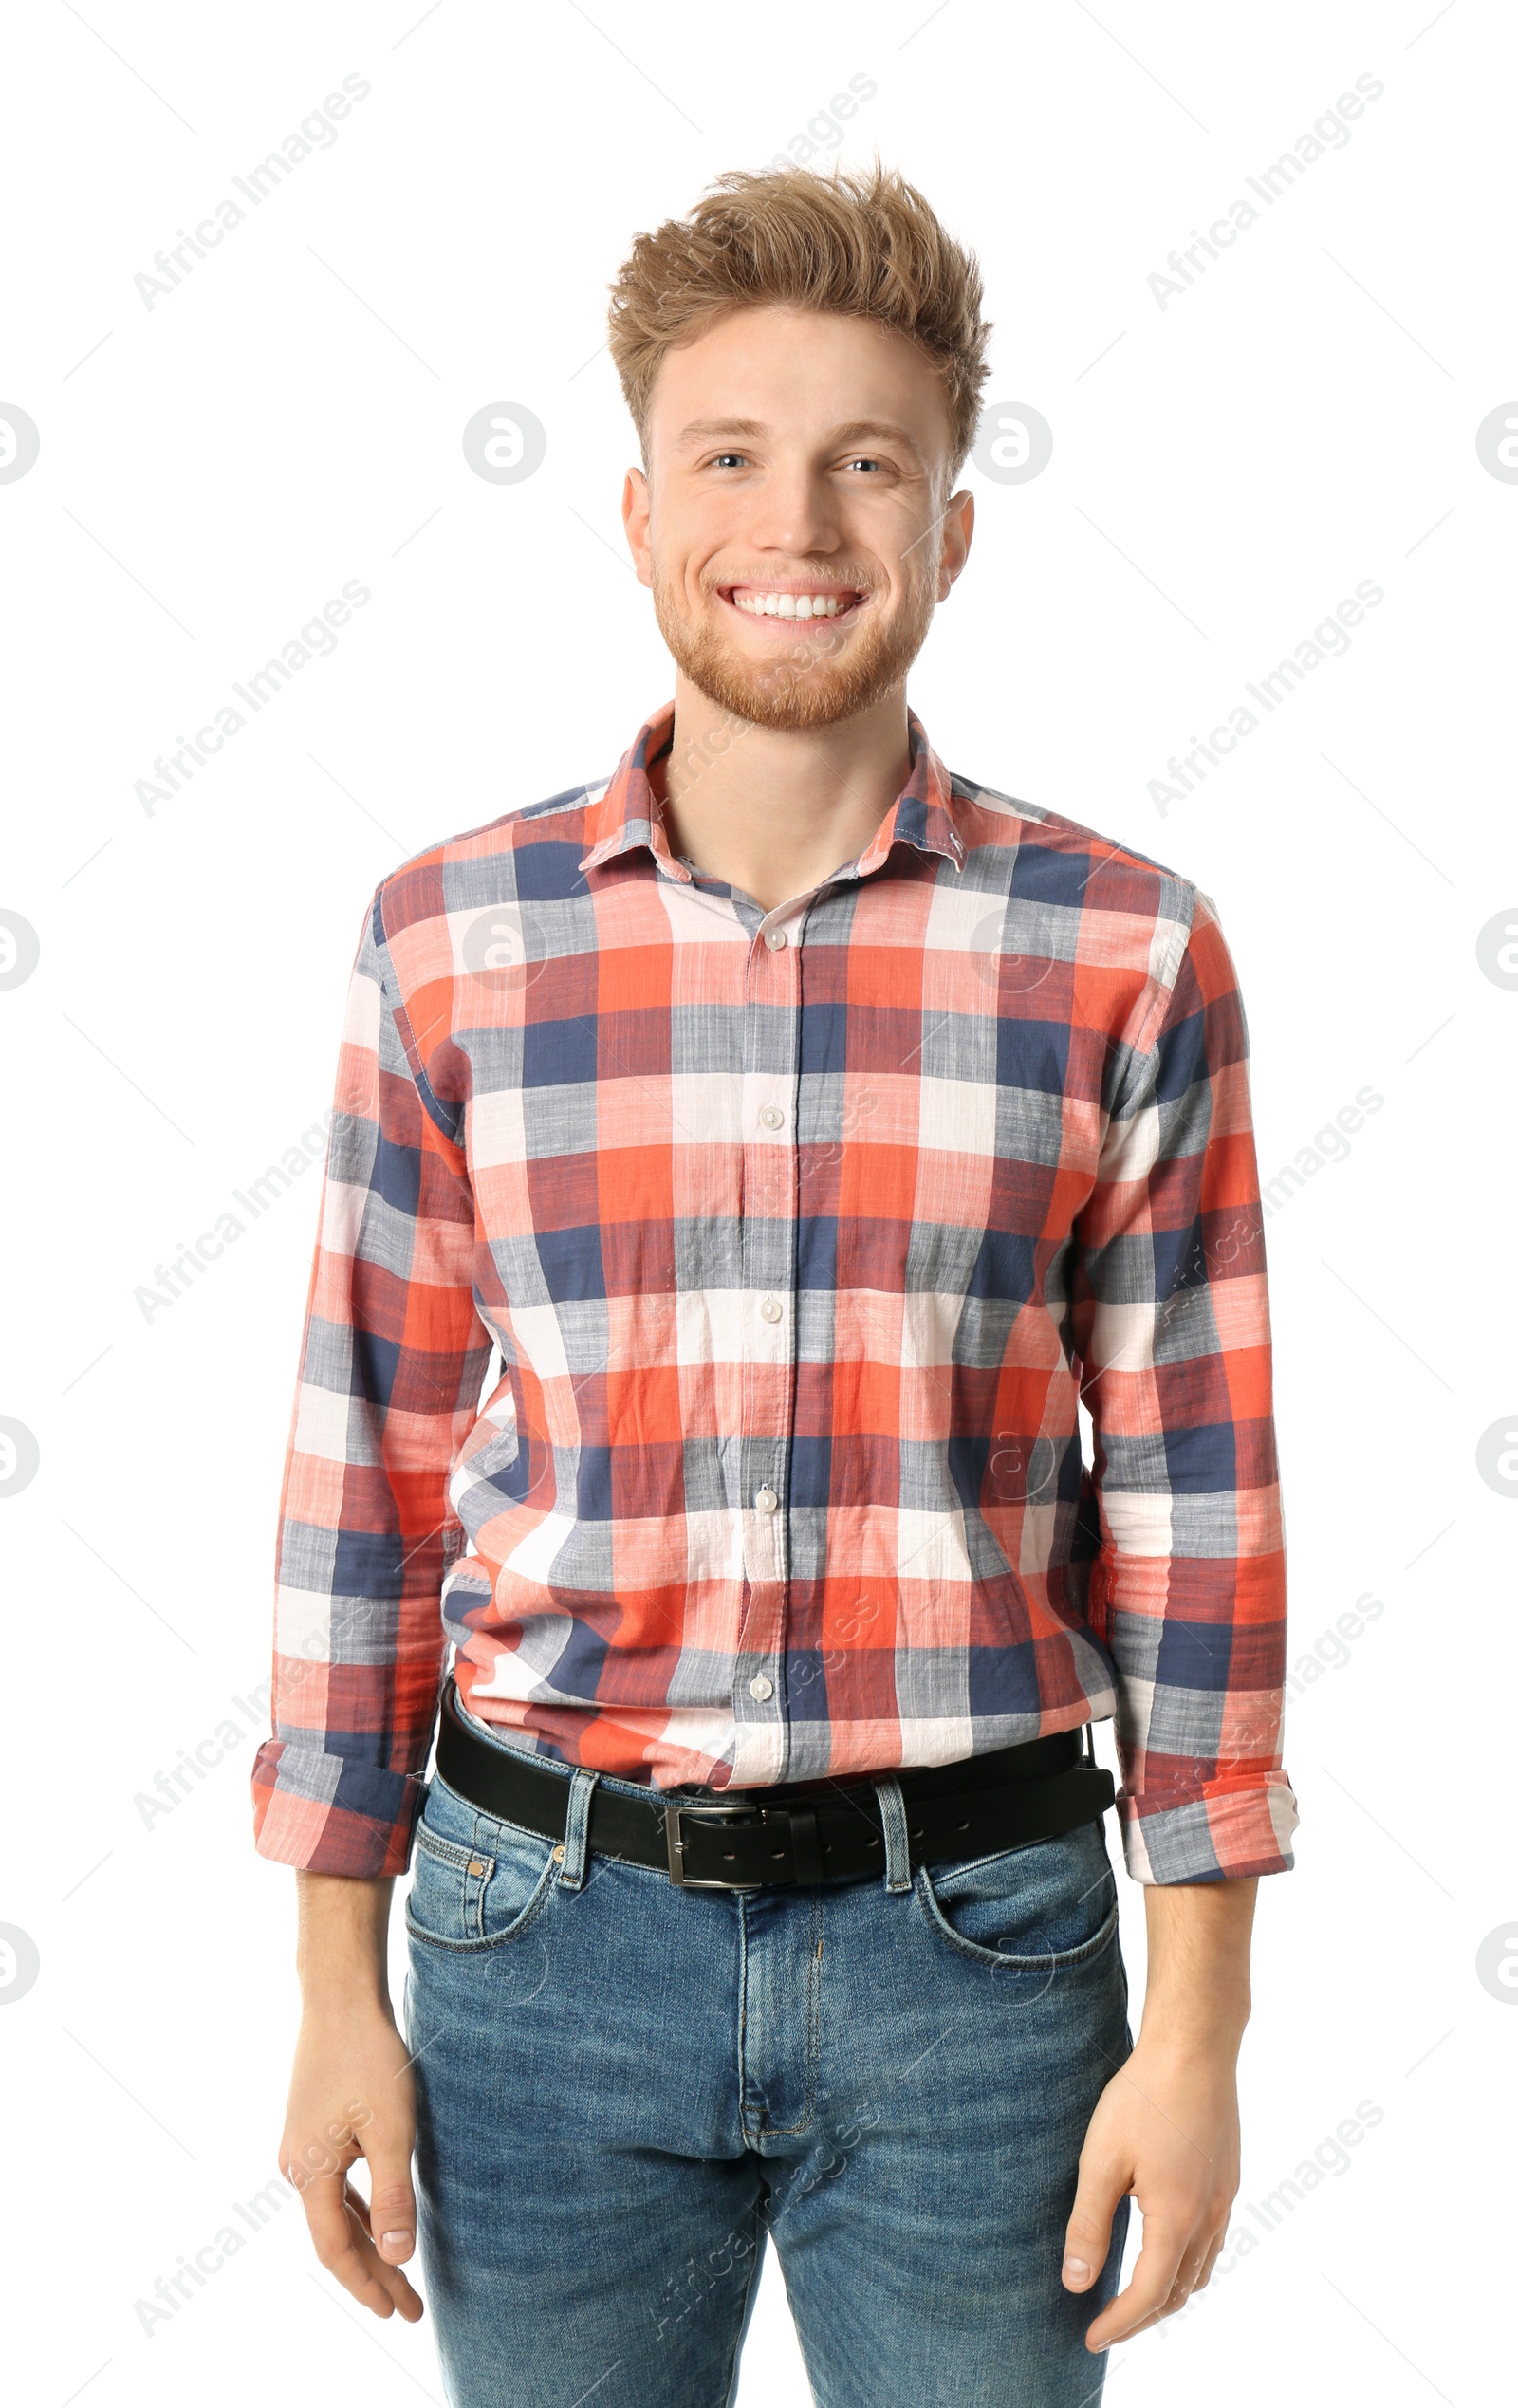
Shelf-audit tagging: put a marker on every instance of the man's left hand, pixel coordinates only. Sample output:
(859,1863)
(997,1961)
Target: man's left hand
(1166,2129)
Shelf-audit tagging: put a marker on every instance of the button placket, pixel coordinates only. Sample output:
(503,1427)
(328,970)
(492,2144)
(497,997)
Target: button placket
(767,1243)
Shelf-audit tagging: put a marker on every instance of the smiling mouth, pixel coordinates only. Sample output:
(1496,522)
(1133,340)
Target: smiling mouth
(796,605)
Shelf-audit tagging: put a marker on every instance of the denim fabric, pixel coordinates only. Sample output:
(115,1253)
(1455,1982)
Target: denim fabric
(625,2089)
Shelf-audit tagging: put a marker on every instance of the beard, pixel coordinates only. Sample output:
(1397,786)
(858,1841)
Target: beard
(824,679)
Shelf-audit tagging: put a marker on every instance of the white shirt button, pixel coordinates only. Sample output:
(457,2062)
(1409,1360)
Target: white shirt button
(766,1500)
(771,1309)
(771,1117)
(775,939)
(761,1687)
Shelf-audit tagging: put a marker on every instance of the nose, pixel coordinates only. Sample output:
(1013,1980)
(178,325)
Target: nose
(795,514)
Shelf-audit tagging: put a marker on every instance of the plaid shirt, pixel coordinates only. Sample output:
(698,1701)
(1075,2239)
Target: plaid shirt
(700,1308)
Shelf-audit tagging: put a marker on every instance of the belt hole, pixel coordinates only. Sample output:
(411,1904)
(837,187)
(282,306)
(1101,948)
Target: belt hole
(917,1835)
(961,1826)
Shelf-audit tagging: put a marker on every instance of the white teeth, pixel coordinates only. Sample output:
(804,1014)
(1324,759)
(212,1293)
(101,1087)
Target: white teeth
(793,606)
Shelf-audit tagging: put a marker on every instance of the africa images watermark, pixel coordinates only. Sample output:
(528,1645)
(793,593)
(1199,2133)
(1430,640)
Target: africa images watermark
(1330,2160)
(1331,1143)
(171,1789)
(1329,640)
(824,131)
(318,131)
(1330,133)
(316,639)
(173,2291)
(175,1279)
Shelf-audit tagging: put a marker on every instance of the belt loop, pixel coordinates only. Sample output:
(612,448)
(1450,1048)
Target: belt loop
(894,1820)
(576,1828)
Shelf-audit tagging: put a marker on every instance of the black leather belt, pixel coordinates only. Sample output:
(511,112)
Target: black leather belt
(974,1808)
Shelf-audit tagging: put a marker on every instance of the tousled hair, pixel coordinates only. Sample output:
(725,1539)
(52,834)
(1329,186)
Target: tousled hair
(863,243)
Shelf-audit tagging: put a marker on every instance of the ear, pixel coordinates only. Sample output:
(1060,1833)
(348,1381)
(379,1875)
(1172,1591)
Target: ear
(637,503)
(958,527)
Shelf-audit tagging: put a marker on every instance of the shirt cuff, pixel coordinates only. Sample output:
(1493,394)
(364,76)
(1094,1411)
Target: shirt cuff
(1226,1830)
(332,1814)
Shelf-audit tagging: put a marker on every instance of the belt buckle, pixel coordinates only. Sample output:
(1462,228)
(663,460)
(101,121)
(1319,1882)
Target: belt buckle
(674,1844)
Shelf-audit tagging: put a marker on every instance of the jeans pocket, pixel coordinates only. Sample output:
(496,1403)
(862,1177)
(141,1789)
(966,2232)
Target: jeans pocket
(476,1882)
(1033,1911)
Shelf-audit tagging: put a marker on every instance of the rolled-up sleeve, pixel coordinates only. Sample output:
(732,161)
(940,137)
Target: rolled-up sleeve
(392,1359)
(1171,1321)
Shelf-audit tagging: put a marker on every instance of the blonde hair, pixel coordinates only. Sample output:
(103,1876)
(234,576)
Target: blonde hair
(863,243)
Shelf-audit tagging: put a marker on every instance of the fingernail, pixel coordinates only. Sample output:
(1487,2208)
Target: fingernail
(1077,2267)
(395,2240)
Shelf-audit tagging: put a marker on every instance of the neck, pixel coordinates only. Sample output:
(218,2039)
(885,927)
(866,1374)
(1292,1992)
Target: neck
(775,810)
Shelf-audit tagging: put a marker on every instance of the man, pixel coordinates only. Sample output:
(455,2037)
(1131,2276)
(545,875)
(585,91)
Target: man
(742,1169)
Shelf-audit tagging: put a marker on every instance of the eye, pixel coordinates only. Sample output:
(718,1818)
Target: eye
(865,459)
(728,456)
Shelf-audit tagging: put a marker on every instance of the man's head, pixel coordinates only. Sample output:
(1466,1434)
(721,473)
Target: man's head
(802,358)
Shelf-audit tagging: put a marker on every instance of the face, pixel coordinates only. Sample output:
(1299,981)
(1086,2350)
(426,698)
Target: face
(792,523)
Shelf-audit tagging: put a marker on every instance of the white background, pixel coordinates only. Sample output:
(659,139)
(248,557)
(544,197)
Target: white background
(1225,470)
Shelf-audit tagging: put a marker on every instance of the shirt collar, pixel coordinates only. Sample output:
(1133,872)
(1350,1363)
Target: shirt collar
(628,816)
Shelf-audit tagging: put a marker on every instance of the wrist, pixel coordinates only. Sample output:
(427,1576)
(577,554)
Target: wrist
(1197,1988)
(337,2011)
(1188,2027)
(341,1952)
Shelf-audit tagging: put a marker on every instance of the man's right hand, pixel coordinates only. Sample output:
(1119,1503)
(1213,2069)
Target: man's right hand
(352,2095)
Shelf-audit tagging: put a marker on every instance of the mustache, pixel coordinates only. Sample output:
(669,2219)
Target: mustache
(828,576)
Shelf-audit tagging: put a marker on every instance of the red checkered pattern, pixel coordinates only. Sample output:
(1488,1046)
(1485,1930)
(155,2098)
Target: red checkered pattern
(702,1306)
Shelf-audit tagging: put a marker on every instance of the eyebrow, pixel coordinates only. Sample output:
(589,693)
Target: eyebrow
(857,430)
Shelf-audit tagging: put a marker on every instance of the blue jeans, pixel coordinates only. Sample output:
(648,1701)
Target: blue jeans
(624,2089)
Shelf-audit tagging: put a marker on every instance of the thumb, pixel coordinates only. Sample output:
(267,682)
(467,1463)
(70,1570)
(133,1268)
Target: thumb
(392,2203)
(1088,2234)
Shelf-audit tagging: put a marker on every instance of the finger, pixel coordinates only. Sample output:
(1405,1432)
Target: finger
(1180,2292)
(392,2203)
(337,2240)
(360,2214)
(1194,2257)
(1088,2234)
(1149,2287)
(327,2220)
(1188,2274)
(1215,2252)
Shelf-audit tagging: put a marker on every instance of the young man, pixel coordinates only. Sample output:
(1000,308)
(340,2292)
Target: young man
(784,1134)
